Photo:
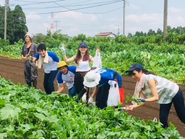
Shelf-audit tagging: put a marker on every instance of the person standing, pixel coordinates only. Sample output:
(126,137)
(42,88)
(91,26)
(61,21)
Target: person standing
(49,61)
(29,50)
(66,74)
(82,59)
(150,88)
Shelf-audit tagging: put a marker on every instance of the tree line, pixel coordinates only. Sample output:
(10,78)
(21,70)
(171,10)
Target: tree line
(16,23)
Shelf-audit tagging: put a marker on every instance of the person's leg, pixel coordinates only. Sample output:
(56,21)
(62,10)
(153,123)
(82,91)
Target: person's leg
(98,97)
(80,94)
(29,84)
(163,114)
(104,96)
(27,73)
(35,83)
(51,80)
(45,83)
(178,101)
(78,82)
(72,91)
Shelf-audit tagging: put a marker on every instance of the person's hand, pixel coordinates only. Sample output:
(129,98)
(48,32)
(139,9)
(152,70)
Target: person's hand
(130,107)
(36,65)
(25,58)
(62,49)
(140,99)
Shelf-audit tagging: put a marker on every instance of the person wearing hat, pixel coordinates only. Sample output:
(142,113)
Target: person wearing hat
(66,74)
(29,50)
(99,78)
(150,87)
(49,61)
(82,59)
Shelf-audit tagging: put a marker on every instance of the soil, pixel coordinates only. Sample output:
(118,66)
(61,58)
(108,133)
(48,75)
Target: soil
(12,69)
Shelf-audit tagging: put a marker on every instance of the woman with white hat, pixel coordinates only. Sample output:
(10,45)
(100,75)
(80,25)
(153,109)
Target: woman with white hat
(29,50)
(150,87)
(99,78)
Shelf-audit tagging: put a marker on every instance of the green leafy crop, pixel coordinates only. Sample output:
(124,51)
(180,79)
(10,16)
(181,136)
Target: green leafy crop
(27,113)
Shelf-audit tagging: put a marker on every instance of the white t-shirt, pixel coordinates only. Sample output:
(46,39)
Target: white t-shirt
(52,64)
(82,66)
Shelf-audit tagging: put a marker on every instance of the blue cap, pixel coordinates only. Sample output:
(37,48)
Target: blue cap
(135,66)
(83,44)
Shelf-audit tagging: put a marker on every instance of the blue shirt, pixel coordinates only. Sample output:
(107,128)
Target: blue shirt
(106,75)
(52,64)
(68,77)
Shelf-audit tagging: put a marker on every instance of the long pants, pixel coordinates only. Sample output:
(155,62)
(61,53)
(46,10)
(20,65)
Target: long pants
(72,91)
(102,95)
(34,83)
(178,101)
(30,73)
(48,81)
(78,82)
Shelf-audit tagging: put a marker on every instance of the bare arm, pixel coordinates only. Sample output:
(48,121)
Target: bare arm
(36,64)
(151,83)
(131,107)
(33,59)
(60,88)
(68,59)
(95,91)
(24,58)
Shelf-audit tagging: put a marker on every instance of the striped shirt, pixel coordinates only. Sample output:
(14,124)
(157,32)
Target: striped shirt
(166,89)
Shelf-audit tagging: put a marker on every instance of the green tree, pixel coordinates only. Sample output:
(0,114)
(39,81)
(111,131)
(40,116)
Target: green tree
(151,32)
(16,24)
(19,21)
(159,31)
(1,22)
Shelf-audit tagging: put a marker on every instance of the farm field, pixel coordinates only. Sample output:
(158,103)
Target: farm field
(13,69)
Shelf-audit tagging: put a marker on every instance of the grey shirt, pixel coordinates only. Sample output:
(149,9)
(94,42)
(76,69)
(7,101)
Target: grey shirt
(33,51)
(166,89)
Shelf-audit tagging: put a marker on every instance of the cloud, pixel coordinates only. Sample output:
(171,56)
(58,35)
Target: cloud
(143,18)
(134,7)
(33,16)
(46,25)
(2,3)
(174,10)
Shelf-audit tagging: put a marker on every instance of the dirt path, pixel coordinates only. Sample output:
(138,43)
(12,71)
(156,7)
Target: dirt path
(13,69)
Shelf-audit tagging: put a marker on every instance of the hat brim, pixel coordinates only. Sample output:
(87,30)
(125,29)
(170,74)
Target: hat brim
(130,69)
(62,66)
(92,84)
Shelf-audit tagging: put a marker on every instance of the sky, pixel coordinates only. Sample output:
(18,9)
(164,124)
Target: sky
(91,17)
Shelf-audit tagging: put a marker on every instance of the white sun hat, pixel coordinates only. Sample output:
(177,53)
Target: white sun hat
(91,79)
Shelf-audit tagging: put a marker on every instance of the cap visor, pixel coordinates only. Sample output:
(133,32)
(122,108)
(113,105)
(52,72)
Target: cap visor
(130,69)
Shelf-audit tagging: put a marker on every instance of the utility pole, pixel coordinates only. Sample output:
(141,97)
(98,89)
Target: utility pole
(56,24)
(123,17)
(5,17)
(165,19)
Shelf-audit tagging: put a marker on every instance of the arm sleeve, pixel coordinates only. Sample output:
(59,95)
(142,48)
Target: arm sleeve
(37,56)
(53,56)
(72,69)
(22,50)
(59,80)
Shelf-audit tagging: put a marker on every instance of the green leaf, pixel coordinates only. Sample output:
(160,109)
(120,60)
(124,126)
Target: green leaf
(9,111)
(3,135)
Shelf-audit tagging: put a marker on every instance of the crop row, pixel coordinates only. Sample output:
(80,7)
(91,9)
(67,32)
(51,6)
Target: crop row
(31,114)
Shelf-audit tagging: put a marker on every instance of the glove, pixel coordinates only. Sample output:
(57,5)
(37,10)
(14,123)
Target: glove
(63,49)
(141,99)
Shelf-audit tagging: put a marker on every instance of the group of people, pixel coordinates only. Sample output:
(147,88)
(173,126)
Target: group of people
(149,87)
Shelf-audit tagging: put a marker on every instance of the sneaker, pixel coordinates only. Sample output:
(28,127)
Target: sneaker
(91,101)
